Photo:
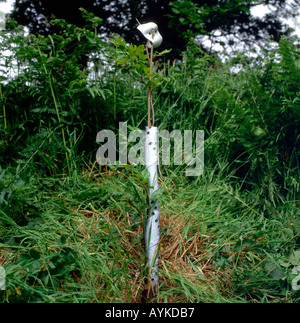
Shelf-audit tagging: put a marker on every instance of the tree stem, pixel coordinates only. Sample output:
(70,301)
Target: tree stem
(150,104)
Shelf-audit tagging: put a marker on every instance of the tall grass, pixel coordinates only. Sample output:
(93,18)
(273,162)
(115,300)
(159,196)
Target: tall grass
(71,231)
(83,243)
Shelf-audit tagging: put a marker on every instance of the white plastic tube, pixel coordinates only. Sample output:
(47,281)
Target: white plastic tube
(152,222)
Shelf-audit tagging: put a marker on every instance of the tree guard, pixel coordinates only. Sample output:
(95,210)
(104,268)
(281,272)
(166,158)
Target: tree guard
(152,222)
(151,229)
(150,32)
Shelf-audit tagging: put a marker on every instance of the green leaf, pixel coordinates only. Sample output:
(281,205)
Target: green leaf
(129,193)
(34,254)
(182,20)
(294,258)
(244,8)
(145,173)
(63,239)
(277,274)
(166,51)
(203,228)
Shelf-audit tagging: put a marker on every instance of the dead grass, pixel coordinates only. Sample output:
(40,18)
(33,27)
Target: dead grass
(5,256)
(176,255)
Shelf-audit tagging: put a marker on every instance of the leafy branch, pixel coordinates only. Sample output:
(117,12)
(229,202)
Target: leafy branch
(137,63)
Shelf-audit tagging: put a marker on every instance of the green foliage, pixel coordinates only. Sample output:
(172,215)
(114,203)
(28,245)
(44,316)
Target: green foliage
(52,87)
(176,19)
(195,18)
(132,60)
(71,231)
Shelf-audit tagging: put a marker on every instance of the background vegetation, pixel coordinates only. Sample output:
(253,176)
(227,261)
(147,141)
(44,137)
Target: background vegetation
(233,20)
(71,231)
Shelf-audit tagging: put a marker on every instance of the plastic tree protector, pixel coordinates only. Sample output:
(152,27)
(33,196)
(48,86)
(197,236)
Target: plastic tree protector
(152,222)
(150,32)
(151,230)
